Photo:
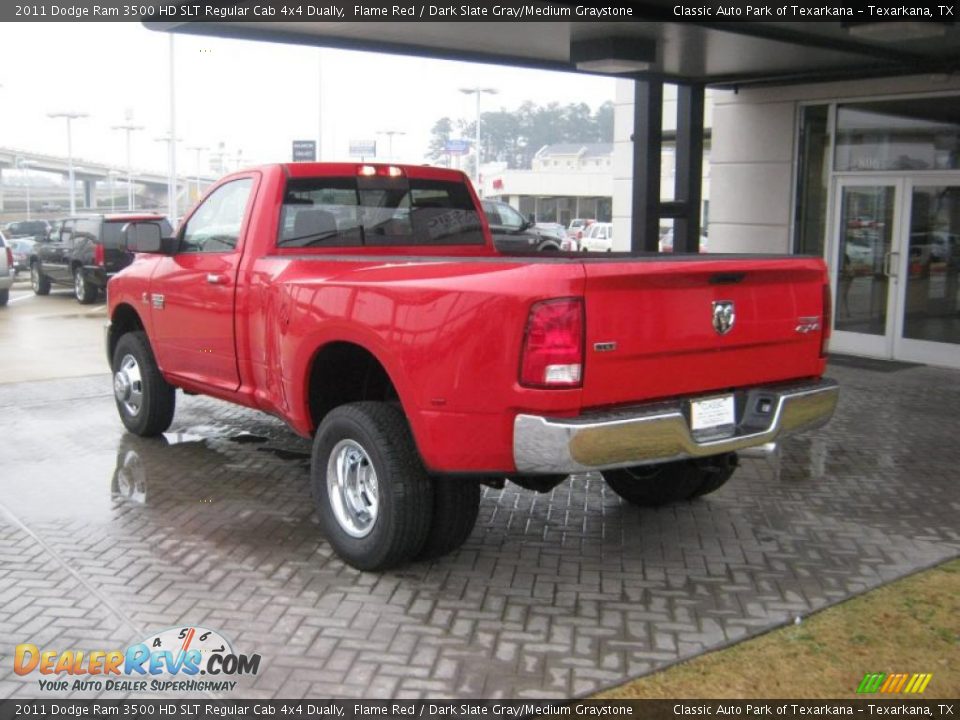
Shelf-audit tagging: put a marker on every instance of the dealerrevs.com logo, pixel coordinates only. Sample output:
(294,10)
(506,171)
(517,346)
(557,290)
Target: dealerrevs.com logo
(185,659)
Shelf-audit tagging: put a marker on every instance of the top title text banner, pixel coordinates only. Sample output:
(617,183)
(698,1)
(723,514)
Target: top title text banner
(479,10)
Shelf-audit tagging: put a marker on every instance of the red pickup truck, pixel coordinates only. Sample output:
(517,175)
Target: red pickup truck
(367,307)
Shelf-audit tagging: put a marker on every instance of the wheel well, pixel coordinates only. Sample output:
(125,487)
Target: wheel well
(343,373)
(124,320)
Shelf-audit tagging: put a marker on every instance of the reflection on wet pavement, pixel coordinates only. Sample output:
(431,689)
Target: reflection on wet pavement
(106,537)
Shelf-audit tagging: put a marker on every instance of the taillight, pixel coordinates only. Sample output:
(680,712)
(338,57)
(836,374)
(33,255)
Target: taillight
(98,254)
(827,321)
(552,354)
(9,258)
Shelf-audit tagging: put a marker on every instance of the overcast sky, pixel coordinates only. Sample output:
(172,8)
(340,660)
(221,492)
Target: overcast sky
(252,96)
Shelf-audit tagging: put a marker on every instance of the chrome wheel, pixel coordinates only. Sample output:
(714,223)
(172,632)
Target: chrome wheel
(128,385)
(353,489)
(35,277)
(79,285)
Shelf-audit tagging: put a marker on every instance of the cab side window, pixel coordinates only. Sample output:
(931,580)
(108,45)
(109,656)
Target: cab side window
(215,226)
(510,217)
(492,213)
(66,233)
(86,230)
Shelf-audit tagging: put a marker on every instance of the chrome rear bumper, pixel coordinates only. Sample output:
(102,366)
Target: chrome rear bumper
(660,432)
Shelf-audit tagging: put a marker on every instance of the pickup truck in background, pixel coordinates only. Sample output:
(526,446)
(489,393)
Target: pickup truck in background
(367,307)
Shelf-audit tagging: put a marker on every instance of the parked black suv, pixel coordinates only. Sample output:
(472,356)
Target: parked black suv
(514,233)
(85,252)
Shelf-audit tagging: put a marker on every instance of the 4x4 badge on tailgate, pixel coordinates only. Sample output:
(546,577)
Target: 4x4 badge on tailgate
(724,316)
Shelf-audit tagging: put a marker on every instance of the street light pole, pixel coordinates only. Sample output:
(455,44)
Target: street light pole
(70,117)
(171,179)
(199,149)
(112,175)
(220,155)
(390,134)
(129,128)
(23,164)
(479,91)
(319,105)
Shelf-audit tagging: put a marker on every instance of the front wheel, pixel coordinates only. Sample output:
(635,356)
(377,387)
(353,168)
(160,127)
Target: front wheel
(655,485)
(83,290)
(373,496)
(4,297)
(145,400)
(38,281)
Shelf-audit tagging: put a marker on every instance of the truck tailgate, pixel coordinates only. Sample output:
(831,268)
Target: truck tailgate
(650,330)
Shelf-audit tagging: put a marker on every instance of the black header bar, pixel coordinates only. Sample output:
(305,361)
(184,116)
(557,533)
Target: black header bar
(475,11)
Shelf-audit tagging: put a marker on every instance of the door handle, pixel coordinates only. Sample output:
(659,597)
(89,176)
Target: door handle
(216,279)
(888,264)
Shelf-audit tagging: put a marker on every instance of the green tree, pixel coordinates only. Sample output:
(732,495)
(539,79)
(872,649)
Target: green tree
(439,135)
(515,136)
(603,119)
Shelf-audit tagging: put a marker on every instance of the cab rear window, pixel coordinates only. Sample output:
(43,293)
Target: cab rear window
(344,211)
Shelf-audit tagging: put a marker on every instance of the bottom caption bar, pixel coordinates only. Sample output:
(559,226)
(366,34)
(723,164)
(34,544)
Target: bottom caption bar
(507,709)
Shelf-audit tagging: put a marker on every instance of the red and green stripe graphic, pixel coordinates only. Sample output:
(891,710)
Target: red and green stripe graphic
(894,683)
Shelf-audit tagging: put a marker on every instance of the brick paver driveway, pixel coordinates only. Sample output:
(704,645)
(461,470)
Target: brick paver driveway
(106,538)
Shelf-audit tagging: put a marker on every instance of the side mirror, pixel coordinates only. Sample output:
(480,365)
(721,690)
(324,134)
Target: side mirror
(142,237)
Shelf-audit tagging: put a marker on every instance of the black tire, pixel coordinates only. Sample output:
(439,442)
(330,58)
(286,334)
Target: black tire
(456,504)
(717,470)
(655,485)
(4,297)
(147,407)
(378,526)
(83,290)
(38,281)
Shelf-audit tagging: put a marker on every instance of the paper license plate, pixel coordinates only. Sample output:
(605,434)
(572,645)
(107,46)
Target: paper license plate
(712,412)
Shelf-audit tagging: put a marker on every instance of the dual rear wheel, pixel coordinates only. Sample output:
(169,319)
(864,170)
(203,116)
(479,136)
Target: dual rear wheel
(655,485)
(378,507)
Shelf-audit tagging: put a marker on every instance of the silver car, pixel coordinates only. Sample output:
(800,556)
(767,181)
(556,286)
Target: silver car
(6,270)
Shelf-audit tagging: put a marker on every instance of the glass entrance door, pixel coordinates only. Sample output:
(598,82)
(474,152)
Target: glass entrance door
(928,324)
(864,265)
(895,265)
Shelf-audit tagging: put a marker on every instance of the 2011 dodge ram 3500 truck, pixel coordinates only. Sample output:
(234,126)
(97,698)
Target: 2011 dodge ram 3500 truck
(367,307)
